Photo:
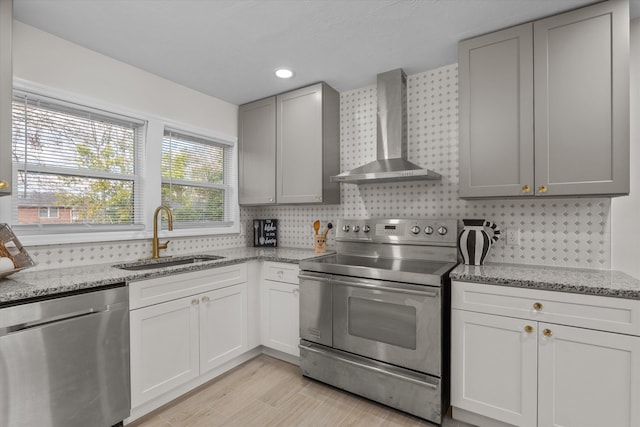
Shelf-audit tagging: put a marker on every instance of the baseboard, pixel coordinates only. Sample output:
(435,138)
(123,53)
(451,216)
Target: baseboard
(476,419)
(294,360)
(193,386)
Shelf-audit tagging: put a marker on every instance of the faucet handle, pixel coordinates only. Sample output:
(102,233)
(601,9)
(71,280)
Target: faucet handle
(163,245)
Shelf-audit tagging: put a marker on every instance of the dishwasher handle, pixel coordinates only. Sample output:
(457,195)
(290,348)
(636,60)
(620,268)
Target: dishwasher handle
(10,329)
(33,314)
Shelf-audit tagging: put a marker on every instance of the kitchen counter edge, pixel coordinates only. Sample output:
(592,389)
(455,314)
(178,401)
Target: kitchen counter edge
(607,283)
(29,284)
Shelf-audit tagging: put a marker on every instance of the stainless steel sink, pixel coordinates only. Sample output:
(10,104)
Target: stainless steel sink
(152,264)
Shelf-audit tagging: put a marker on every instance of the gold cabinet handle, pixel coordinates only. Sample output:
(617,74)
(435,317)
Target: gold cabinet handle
(547,332)
(194,301)
(4,184)
(542,189)
(205,299)
(528,329)
(526,188)
(537,306)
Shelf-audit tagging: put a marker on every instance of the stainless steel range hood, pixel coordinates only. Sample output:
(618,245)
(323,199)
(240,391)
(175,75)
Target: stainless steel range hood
(392,164)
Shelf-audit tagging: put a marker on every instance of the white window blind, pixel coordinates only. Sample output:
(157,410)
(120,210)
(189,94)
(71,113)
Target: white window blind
(197,180)
(81,162)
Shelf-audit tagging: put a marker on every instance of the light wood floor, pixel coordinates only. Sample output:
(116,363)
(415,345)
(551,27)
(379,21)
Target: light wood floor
(269,392)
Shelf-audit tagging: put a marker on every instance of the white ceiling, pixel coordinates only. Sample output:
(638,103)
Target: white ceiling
(229,48)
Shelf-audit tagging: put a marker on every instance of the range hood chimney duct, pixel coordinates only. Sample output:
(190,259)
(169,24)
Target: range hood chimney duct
(391,164)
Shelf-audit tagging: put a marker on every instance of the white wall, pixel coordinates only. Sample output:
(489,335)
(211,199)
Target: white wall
(625,211)
(48,60)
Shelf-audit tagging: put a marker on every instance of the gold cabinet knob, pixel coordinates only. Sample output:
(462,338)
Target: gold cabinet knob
(205,299)
(542,189)
(526,188)
(194,301)
(4,184)
(528,329)
(537,306)
(547,332)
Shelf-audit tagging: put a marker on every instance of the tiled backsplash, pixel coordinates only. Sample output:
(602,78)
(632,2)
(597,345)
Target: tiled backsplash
(563,232)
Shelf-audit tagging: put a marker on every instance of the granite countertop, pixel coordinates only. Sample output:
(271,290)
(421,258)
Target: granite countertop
(27,284)
(575,280)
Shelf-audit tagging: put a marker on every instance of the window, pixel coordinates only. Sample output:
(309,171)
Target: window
(197,180)
(49,212)
(74,162)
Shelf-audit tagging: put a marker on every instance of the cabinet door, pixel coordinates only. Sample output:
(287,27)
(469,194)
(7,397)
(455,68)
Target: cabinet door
(299,146)
(280,316)
(223,325)
(164,348)
(6,95)
(257,152)
(587,378)
(496,113)
(582,101)
(493,367)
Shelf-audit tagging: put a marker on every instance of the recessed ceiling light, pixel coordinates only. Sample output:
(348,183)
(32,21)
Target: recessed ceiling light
(284,73)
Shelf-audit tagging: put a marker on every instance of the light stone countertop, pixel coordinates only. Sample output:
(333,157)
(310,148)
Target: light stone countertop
(574,280)
(26,285)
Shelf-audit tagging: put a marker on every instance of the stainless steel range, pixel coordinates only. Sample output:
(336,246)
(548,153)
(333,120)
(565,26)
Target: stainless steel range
(374,315)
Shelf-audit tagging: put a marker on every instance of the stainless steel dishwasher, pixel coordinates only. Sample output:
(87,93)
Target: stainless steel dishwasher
(65,361)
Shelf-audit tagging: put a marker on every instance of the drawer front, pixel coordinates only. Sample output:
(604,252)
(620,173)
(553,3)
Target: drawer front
(161,289)
(587,311)
(281,272)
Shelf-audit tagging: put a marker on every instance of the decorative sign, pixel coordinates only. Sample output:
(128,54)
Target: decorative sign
(265,232)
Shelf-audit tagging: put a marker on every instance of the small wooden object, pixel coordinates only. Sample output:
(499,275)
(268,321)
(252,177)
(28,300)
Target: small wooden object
(320,243)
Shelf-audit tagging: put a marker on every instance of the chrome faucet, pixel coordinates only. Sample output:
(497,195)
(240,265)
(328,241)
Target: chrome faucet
(156,245)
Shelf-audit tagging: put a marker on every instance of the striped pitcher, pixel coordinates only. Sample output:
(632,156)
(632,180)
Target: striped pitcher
(474,241)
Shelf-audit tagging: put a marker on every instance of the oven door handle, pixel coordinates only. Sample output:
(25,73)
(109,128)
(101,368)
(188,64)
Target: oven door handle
(399,288)
(433,293)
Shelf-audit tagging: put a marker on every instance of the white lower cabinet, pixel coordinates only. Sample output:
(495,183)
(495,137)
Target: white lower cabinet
(280,307)
(494,367)
(530,371)
(587,378)
(223,325)
(175,341)
(164,348)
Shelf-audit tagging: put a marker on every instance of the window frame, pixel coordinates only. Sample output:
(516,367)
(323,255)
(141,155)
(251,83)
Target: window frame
(231,221)
(77,108)
(49,210)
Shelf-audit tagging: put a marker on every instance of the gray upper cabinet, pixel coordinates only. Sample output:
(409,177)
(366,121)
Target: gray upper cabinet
(257,152)
(6,90)
(496,113)
(308,145)
(581,70)
(571,73)
(289,146)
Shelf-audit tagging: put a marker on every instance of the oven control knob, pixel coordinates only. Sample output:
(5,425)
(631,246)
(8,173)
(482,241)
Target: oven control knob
(346,228)
(366,229)
(356,228)
(442,230)
(428,229)
(415,229)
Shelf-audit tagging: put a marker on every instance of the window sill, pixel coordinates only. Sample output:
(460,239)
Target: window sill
(57,239)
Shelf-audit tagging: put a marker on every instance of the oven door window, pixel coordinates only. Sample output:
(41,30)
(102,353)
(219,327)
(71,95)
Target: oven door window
(382,322)
(391,322)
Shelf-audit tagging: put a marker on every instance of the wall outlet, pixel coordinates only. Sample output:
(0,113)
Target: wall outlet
(513,237)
